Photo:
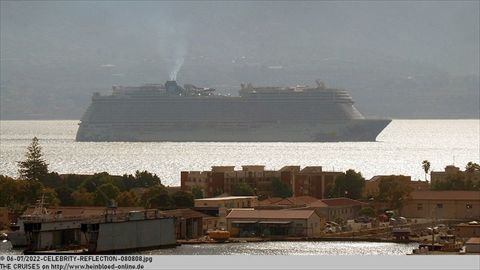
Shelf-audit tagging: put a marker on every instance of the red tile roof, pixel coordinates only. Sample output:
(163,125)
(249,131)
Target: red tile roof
(300,200)
(342,202)
(269,214)
(473,240)
(317,204)
(446,195)
(269,201)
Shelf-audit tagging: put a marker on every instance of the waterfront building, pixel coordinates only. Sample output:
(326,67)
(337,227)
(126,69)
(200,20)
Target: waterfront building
(466,230)
(338,208)
(371,188)
(216,208)
(66,222)
(442,205)
(331,209)
(4,217)
(290,202)
(472,245)
(188,223)
(451,170)
(274,223)
(227,202)
(311,180)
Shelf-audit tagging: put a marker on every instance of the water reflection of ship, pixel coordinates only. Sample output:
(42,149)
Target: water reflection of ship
(169,112)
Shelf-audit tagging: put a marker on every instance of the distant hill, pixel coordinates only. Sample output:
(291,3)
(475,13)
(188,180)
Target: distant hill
(398,59)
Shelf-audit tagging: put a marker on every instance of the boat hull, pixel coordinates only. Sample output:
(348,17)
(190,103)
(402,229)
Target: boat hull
(349,130)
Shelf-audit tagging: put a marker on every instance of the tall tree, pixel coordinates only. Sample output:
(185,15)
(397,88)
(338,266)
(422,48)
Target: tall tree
(393,192)
(197,192)
(182,199)
(34,166)
(156,197)
(472,167)
(349,184)
(127,198)
(105,193)
(82,197)
(426,167)
(281,189)
(242,189)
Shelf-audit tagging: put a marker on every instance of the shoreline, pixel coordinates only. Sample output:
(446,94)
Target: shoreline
(299,239)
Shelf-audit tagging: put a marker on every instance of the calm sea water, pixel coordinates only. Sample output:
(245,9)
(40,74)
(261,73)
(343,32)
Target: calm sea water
(276,248)
(400,149)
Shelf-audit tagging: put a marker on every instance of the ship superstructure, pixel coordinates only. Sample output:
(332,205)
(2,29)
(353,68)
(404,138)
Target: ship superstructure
(156,112)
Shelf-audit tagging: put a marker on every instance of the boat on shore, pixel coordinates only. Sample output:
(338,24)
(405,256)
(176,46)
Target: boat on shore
(219,235)
(112,232)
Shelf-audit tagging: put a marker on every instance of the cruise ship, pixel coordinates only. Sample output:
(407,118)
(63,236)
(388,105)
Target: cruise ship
(169,112)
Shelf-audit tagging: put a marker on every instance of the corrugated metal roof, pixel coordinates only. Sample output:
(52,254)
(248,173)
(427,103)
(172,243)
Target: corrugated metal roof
(69,211)
(226,198)
(184,212)
(342,202)
(270,214)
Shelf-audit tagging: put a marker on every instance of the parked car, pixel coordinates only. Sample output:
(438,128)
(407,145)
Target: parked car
(363,219)
(402,220)
(329,229)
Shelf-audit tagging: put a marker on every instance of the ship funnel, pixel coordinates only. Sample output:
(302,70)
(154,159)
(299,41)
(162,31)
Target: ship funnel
(172,87)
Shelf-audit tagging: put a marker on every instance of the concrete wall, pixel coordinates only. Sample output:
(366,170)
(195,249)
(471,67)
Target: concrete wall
(228,203)
(311,227)
(467,231)
(450,209)
(4,220)
(136,234)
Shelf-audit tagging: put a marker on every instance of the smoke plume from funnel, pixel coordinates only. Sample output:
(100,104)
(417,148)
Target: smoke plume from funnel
(179,58)
(173,46)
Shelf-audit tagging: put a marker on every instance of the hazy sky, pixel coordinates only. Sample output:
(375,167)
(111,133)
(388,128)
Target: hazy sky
(445,34)
(90,45)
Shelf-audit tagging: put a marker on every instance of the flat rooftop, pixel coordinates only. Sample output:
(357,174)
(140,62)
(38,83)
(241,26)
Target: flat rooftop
(226,198)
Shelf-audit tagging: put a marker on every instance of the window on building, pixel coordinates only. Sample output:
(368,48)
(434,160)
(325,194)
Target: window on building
(419,206)
(439,205)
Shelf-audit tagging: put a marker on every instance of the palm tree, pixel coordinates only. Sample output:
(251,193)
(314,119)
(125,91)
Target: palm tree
(472,167)
(426,167)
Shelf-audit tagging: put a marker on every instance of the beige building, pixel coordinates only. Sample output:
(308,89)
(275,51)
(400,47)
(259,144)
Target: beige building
(441,176)
(330,209)
(442,205)
(309,181)
(228,202)
(188,223)
(274,223)
(338,208)
(465,230)
(472,245)
(372,186)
